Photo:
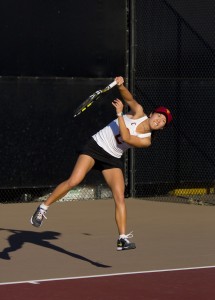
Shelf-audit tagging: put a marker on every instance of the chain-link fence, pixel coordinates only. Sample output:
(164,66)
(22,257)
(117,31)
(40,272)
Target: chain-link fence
(52,58)
(172,50)
(175,67)
(40,139)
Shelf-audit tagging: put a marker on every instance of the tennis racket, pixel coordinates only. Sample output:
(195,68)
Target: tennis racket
(92,98)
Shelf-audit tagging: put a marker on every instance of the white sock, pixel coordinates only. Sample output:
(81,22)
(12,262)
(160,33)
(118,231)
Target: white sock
(43,206)
(122,236)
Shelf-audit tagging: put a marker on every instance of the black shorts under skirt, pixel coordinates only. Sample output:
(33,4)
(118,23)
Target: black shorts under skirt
(103,160)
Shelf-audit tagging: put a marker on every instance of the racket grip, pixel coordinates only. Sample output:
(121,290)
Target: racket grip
(112,84)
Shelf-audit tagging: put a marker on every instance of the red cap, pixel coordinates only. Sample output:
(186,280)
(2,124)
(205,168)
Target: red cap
(165,111)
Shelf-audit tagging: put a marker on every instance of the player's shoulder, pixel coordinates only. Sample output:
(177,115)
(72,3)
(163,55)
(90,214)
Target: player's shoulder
(137,110)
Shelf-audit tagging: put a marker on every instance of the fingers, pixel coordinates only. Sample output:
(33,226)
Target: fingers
(118,105)
(117,102)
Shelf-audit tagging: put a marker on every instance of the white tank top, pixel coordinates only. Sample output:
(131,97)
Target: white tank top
(109,137)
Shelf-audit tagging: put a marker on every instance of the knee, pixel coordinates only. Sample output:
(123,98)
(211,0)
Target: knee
(71,183)
(119,198)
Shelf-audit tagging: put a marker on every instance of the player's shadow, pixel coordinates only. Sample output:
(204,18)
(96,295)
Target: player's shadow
(19,237)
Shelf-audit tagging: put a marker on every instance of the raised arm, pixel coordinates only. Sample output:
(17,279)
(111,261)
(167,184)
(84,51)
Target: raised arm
(135,108)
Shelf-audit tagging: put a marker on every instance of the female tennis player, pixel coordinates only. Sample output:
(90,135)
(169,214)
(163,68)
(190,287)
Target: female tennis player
(104,151)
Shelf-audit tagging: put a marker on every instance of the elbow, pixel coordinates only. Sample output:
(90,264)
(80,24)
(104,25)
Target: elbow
(146,145)
(143,144)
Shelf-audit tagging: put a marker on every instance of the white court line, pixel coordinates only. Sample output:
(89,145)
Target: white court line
(38,281)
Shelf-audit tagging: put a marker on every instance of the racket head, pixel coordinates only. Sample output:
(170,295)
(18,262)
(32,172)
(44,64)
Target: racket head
(87,103)
(92,98)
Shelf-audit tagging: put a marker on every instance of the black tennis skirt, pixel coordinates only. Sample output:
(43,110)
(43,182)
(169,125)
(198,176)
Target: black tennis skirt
(103,160)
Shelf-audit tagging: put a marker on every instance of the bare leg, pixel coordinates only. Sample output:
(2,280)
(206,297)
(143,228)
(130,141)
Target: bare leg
(115,180)
(83,165)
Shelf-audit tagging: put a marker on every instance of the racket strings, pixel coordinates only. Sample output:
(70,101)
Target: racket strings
(92,98)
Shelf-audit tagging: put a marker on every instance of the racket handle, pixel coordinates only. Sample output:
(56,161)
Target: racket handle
(112,84)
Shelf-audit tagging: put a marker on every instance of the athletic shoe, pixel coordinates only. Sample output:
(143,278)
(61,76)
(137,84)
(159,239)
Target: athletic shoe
(124,244)
(38,216)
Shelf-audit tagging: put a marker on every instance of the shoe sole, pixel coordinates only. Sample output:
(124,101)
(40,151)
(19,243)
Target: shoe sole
(121,248)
